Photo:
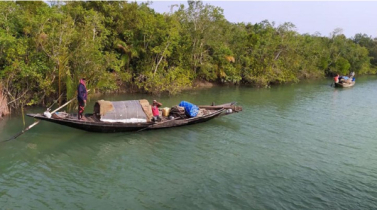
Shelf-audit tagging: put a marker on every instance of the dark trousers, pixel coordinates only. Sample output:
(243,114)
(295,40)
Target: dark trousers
(81,109)
(156,119)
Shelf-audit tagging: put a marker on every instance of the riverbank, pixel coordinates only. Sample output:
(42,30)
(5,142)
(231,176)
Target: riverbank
(195,85)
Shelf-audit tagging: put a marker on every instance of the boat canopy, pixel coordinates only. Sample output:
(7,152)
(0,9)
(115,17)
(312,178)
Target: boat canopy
(131,111)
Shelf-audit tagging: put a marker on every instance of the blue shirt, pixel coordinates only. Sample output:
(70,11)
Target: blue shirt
(81,92)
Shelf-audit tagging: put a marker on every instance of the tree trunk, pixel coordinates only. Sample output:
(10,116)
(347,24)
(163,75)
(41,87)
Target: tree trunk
(4,110)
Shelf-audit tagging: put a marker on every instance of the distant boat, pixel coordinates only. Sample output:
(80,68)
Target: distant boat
(124,116)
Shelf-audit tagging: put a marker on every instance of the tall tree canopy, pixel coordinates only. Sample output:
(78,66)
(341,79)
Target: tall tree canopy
(118,46)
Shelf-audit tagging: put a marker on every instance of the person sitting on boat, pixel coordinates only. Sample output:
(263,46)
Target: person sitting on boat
(81,97)
(343,79)
(155,111)
(336,78)
(346,79)
(352,74)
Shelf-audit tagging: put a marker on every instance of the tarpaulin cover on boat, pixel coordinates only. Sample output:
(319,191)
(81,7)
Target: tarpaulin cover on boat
(191,110)
(132,111)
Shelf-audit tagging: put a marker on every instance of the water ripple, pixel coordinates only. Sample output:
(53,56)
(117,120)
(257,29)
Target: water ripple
(301,146)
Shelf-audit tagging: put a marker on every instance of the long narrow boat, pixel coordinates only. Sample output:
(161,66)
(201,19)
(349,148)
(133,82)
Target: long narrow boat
(344,84)
(125,117)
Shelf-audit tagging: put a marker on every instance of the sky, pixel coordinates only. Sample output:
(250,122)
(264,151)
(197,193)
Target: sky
(308,16)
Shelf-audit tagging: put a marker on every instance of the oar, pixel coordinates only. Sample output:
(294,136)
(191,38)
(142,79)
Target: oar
(23,131)
(65,104)
(143,129)
(35,123)
(55,101)
(149,126)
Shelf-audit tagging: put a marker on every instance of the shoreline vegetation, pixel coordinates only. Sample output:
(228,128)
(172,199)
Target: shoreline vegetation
(128,47)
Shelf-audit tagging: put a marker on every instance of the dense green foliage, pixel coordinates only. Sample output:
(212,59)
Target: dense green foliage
(120,46)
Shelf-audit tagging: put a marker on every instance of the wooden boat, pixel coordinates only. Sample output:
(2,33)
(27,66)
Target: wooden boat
(94,123)
(344,84)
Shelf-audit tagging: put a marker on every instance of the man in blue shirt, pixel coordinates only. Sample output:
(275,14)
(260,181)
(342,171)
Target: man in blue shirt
(81,97)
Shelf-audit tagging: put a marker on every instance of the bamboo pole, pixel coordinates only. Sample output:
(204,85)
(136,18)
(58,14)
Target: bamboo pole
(36,122)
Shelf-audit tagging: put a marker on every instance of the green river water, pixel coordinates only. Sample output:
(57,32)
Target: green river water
(298,146)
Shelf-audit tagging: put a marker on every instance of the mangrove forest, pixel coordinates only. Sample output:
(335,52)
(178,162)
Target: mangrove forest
(124,46)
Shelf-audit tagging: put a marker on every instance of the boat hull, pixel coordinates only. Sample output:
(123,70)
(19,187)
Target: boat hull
(344,85)
(94,126)
(106,127)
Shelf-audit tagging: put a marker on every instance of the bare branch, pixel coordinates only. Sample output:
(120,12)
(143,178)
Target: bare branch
(18,97)
(162,56)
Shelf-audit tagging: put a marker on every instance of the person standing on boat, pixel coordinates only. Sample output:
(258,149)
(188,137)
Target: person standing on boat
(81,97)
(155,111)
